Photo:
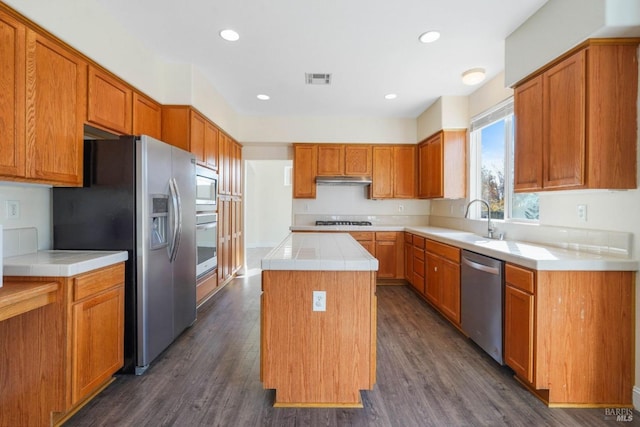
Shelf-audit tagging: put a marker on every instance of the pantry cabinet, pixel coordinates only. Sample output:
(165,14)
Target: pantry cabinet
(109,102)
(394,172)
(147,116)
(442,165)
(572,120)
(305,164)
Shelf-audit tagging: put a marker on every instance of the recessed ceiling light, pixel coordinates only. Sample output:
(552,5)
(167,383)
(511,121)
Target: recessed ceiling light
(390,96)
(263,97)
(229,35)
(473,76)
(429,36)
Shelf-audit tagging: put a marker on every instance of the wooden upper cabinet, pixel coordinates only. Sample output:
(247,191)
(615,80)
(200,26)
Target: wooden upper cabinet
(344,160)
(383,172)
(196,135)
(528,134)
(330,159)
(564,123)
(147,116)
(186,128)
(211,135)
(176,125)
(404,163)
(305,163)
(442,165)
(12,100)
(357,160)
(573,120)
(56,87)
(394,171)
(109,102)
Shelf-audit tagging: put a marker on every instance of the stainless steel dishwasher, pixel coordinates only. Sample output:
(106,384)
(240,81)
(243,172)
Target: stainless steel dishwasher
(482,293)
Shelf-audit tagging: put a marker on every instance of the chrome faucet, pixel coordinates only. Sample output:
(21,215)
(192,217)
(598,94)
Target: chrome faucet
(490,229)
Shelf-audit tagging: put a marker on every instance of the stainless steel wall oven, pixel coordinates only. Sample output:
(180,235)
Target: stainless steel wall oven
(206,242)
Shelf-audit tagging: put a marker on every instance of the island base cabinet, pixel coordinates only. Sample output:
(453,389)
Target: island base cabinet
(318,358)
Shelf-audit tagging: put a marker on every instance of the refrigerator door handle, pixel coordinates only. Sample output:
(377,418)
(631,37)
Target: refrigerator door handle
(177,219)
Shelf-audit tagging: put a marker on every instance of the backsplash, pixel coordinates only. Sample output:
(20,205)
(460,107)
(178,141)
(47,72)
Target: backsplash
(19,241)
(310,219)
(613,243)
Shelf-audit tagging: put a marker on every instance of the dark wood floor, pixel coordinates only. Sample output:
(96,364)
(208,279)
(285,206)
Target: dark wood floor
(428,375)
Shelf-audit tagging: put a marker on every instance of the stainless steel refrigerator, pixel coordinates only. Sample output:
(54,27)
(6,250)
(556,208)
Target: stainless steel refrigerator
(138,196)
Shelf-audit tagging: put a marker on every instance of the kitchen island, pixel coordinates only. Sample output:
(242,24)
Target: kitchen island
(318,321)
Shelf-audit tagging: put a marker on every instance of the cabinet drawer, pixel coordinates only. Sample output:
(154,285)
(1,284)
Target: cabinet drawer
(418,241)
(386,235)
(449,252)
(408,237)
(520,278)
(97,281)
(362,235)
(418,253)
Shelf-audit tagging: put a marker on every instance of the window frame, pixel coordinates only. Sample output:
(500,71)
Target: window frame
(501,111)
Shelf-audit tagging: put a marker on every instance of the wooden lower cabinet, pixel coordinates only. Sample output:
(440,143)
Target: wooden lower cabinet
(442,286)
(568,334)
(518,331)
(72,347)
(98,339)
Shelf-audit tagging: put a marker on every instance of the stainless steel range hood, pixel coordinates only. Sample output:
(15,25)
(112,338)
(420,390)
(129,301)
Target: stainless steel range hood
(343,180)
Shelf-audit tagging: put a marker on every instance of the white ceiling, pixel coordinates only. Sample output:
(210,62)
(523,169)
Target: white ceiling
(371,48)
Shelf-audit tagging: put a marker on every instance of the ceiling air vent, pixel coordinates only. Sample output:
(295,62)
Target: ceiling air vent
(317,78)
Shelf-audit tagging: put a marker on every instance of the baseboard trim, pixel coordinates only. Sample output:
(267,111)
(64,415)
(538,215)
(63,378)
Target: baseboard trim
(636,398)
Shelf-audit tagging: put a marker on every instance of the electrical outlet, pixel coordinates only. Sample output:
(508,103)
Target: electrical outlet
(319,300)
(13,209)
(582,212)
(400,208)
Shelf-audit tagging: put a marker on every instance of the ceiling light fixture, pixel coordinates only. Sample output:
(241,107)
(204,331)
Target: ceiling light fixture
(229,35)
(263,97)
(429,37)
(473,76)
(390,96)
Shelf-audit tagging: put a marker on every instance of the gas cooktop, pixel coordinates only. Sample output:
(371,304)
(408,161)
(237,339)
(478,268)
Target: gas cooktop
(343,223)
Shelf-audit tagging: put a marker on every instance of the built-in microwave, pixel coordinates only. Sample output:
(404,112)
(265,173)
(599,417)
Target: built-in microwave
(206,188)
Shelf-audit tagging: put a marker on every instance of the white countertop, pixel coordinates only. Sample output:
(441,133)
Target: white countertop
(531,255)
(535,256)
(319,251)
(57,263)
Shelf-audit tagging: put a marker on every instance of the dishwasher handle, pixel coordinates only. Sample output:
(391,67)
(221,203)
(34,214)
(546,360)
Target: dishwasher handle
(477,266)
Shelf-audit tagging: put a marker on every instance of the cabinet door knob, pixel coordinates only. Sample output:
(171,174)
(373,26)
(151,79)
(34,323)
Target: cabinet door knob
(435,268)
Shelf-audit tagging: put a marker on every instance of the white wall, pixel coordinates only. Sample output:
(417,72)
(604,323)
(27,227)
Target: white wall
(326,129)
(267,203)
(448,112)
(35,207)
(560,25)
